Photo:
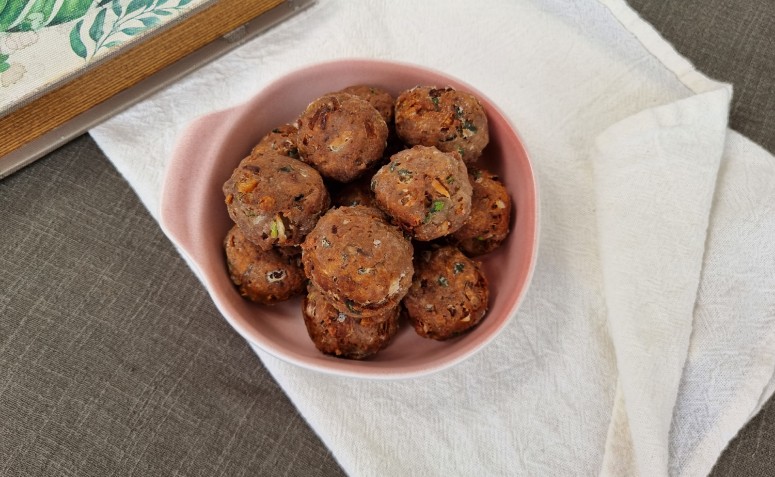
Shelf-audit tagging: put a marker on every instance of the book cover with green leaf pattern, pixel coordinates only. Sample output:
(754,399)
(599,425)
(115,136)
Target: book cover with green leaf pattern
(45,42)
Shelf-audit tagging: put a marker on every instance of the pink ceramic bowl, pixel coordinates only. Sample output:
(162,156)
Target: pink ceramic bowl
(194,217)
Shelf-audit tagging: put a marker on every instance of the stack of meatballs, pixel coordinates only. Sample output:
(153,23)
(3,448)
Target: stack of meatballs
(371,207)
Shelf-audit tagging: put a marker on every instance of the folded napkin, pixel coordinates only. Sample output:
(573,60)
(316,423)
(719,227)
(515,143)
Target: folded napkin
(647,337)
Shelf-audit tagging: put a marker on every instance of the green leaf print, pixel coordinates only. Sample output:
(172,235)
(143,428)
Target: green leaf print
(75,40)
(96,31)
(70,10)
(135,5)
(116,6)
(149,21)
(133,30)
(9,13)
(3,63)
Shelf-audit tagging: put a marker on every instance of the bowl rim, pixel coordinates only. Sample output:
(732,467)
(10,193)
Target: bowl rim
(174,225)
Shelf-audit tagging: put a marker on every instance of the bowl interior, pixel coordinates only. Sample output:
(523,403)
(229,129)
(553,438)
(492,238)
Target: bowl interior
(193,214)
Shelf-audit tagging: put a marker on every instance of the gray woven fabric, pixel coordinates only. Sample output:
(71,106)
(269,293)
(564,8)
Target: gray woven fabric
(113,360)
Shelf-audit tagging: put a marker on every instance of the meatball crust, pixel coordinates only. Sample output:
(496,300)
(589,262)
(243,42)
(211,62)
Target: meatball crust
(341,135)
(263,276)
(357,192)
(488,225)
(275,200)
(360,262)
(280,140)
(425,191)
(448,296)
(377,97)
(446,118)
(339,334)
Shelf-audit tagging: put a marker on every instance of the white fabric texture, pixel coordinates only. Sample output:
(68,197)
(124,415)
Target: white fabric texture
(647,337)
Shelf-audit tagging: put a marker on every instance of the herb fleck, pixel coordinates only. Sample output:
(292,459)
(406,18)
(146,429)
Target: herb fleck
(293,152)
(469,125)
(404,175)
(435,101)
(443,281)
(351,307)
(325,242)
(450,179)
(458,111)
(438,205)
(458,267)
(273,230)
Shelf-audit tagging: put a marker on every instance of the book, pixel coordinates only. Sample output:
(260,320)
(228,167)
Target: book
(67,65)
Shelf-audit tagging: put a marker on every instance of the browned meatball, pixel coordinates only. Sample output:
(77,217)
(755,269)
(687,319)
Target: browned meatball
(276,200)
(262,276)
(357,192)
(377,97)
(446,118)
(337,333)
(488,225)
(280,140)
(341,135)
(425,191)
(448,295)
(360,262)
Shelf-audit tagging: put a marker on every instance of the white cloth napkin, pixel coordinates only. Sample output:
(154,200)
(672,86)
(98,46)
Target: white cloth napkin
(647,338)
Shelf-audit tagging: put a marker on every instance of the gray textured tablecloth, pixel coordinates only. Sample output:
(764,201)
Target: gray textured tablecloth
(114,361)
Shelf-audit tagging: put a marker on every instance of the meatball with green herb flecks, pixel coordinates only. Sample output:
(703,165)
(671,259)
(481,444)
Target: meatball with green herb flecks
(344,335)
(451,120)
(360,262)
(448,296)
(263,276)
(341,136)
(275,200)
(488,225)
(280,140)
(425,191)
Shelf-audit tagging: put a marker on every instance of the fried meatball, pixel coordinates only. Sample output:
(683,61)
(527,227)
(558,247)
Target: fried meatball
(280,140)
(341,135)
(263,276)
(446,118)
(357,192)
(339,334)
(276,200)
(377,97)
(360,262)
(448,295)
(488,225)
(425,191)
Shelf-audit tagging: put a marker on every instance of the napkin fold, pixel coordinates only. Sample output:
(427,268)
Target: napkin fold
(654,174)
(645,341)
